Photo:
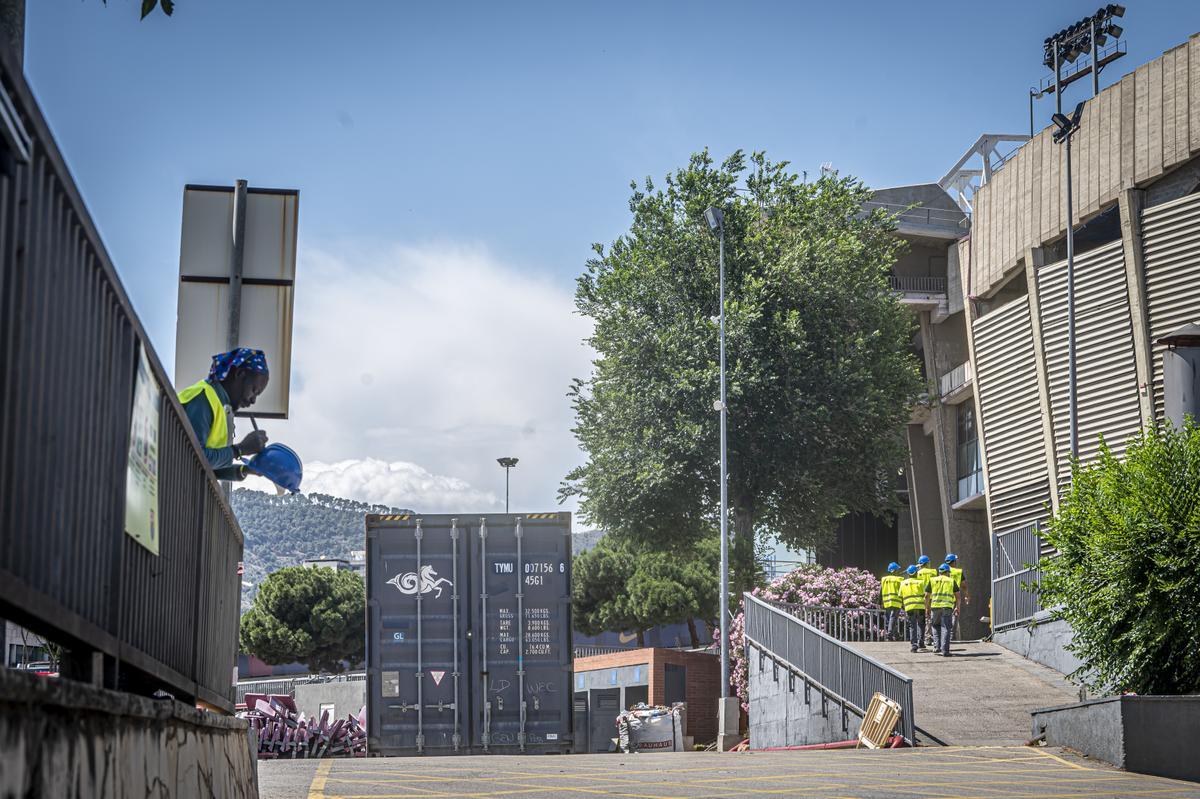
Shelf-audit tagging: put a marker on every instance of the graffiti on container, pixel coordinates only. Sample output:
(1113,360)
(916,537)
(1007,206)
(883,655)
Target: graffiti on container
(500,685)
(428,582)
(541,687)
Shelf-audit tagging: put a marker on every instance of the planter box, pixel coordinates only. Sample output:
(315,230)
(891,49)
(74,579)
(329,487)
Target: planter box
(1156,735)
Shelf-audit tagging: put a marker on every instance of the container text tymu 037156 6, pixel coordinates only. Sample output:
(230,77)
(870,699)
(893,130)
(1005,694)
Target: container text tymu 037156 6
(469,634)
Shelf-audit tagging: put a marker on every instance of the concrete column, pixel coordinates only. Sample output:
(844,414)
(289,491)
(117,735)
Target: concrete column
(938,417)
(924,494)
(1130,203)
(1035,258)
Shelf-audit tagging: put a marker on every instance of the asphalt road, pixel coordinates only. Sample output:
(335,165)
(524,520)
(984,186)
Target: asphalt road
(936,773)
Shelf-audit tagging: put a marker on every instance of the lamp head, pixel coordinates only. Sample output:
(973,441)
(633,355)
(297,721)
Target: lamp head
(715,217)
(507,463)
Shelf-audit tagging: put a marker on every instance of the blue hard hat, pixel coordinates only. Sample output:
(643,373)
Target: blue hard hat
(951,557)
(911,570)
(945,567)
(923,560)
(893,566)
(280,465)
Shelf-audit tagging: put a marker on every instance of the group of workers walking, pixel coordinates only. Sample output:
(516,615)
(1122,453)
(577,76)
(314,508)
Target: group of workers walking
(930,599)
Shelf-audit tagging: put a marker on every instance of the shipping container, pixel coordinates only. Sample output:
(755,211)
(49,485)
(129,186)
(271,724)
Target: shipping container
(469,634)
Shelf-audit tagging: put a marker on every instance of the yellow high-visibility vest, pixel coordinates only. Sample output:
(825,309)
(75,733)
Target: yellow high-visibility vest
(912,592)
(957,574)
(891,590)
(942,590)
(218,434)
(927,574)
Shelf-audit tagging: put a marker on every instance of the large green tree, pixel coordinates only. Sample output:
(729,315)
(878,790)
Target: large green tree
(624,586)
(820,373)
(315,616)
(1127,573)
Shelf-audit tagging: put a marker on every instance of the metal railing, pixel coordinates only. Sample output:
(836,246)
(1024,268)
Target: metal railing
(842,673)
(917,284)
(956,378)
(941,217)
(69,344)
(849,624)
(1015,557)
(591,650)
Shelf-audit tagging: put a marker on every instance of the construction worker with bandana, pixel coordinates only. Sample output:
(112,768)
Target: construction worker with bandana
(235,380)
(943,599)
(926,573)
(912,593)
(891,602)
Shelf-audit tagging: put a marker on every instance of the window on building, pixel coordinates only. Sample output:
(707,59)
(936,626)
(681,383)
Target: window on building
(969,470)
(327,707)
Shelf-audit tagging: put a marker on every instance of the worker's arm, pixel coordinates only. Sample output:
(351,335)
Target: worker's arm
(200,415)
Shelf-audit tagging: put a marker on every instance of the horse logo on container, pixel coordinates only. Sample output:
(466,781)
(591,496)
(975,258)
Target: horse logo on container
(428,582)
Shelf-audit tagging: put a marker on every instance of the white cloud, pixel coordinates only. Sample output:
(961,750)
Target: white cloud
(439,356)
(398,484)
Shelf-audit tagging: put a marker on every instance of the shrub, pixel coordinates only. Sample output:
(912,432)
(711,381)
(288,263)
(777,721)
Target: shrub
(1127,574)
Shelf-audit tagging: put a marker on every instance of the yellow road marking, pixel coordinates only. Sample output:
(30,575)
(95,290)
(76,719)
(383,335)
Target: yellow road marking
(317,789)
(1064,762)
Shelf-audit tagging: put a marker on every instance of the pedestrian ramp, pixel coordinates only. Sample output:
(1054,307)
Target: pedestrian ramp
(981,695)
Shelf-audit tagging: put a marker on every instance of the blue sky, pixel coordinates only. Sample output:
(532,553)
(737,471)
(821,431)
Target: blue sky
(494,141)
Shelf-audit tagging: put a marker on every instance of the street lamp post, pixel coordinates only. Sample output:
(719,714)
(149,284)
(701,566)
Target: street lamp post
(507,463)
(716,222)
(1068,44)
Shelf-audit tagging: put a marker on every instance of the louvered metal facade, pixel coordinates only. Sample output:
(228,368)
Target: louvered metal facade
(1171,244)
(1010,412)
(1106,372)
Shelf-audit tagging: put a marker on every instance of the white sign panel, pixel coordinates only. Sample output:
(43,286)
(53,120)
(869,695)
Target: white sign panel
(268,274)
(141,473)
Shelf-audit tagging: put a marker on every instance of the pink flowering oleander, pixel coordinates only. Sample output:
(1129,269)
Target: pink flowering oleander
(808,585)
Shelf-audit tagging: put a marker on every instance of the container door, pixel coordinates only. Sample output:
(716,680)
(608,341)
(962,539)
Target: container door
(419,605)
(524,626)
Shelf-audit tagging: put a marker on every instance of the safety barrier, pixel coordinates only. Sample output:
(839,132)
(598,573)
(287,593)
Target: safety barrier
(917,284)
(849,624)
(286,686)
(844,674)
(69,356)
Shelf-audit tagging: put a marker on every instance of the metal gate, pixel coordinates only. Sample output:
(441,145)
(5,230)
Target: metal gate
(1015,557)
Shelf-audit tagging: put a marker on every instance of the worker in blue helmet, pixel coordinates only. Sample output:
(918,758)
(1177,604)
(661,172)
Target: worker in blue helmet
(926,572)
(235,380)
(912,593)
(959,579)
(943,599)
(889,586)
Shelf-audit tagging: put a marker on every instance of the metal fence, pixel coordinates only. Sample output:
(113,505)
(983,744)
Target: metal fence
(69,343)
(941,217)
(849,624)
(286,686)
(917,284)
(590,650)
(846,675)
(1015,558)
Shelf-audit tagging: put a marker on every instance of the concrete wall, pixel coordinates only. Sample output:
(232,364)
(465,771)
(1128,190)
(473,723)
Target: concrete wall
(1147,734)
(347,698)
(780,716)
(1044,642)
(66,739)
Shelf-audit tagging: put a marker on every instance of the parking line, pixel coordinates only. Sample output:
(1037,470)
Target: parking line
(317,789)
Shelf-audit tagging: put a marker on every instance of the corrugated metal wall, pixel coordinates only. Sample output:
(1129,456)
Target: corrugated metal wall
(1171,244)
(1011,416)
(1106,371)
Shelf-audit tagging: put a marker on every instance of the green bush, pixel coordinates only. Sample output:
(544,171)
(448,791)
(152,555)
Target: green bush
(1127,576)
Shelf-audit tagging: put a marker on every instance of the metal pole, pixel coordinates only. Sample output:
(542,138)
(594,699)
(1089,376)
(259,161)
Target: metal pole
(1095,60)
(1072,420)
(1031,113)
(235,265)
(506,470)
(724,491)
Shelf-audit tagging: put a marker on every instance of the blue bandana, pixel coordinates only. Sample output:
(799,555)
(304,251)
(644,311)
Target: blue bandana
(254,360)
